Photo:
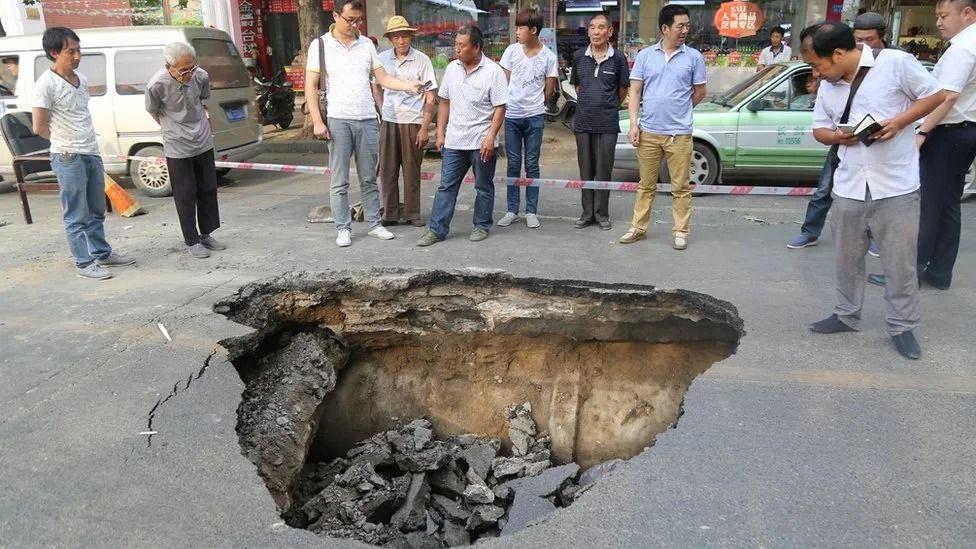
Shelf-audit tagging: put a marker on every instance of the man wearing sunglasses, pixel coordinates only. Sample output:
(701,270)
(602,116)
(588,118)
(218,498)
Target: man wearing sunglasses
(350,125)
(174,98)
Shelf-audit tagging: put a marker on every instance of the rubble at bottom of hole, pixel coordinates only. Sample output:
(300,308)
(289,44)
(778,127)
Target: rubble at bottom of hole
(407,489)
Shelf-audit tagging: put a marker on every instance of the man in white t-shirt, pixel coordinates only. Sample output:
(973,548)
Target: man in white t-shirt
(531,70)
(61,114)
(350,124)
(776,51)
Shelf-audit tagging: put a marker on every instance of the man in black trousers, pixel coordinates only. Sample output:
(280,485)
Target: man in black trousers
(601,76)
(174,98)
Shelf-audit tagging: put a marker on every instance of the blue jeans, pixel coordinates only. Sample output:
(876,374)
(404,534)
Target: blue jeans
(349,137)
(82,181)
(819,205)
(454,166)
(523,134)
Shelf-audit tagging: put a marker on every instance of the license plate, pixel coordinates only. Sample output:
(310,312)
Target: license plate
(236,114)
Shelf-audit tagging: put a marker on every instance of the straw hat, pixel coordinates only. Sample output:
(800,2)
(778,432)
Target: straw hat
(398,23)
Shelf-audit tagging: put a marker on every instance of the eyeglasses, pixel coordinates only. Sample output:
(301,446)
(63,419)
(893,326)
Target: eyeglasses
(354,22)
(187,72)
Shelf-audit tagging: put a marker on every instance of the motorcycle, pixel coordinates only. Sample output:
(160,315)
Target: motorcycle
(567,92)
(276,101)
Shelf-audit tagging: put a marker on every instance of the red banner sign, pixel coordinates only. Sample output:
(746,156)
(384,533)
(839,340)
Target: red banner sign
(738,19)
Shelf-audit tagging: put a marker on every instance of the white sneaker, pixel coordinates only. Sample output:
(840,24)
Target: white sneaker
(532,221)
(507,219)
(381,233)
(345,238)
(680,242)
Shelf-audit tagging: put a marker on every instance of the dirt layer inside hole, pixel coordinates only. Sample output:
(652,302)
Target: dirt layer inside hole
(338,358)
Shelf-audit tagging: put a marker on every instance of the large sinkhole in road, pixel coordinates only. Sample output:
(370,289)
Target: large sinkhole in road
(431,408)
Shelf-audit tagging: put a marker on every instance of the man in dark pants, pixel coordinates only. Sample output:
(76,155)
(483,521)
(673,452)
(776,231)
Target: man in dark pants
(947,140)
(174,98)
(601,77)
(869,29)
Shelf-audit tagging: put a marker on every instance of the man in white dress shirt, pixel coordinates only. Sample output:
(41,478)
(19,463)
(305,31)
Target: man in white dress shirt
(876,181)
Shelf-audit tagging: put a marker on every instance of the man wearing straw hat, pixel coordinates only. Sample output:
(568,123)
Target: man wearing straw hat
(406,122)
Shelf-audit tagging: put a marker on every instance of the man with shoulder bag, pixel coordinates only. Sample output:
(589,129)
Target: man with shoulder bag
(864,104)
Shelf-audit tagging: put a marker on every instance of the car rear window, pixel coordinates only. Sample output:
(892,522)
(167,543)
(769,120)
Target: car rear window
(9,70)
(92,66)
(134,68)
(222,62)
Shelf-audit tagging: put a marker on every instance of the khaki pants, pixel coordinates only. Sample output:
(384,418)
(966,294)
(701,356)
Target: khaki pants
(398,148)
(676,150)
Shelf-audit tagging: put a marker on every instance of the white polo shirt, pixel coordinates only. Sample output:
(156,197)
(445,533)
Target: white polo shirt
(956,72)
(348,71)
(888,168)
(768,57)
(401,107)
(526,90)
(473,98)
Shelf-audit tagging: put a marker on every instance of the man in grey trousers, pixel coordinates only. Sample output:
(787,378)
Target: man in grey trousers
(876,182)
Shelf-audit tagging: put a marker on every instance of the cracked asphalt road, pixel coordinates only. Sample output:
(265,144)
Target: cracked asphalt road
(797,440)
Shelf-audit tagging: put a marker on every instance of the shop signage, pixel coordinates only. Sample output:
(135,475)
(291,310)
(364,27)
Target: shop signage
(738,19)
(291,6)
(735,57)
(710,56)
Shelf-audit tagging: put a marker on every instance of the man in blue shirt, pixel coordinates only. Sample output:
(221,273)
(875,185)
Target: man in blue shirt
(669,77)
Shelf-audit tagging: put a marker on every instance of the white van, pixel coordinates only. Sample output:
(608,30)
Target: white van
(118,63)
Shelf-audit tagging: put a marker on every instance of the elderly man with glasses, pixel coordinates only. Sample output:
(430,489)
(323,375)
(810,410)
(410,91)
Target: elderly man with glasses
(174,98)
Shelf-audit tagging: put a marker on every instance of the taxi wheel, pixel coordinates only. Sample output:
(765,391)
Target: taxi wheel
(704,166)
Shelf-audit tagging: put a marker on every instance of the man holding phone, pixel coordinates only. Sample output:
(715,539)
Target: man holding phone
(406,123)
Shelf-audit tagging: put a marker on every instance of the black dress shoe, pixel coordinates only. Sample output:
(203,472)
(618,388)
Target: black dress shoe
(932,281)
(877,280)
(831,325)
(605,225)
(907,345)
(583,223)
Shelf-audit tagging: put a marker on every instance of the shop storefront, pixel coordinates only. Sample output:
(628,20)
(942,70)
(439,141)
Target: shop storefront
(911,26)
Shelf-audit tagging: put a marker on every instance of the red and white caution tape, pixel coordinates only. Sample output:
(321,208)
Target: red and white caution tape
(625,186)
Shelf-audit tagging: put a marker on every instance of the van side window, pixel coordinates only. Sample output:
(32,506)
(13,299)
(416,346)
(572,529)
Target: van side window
(92,66)
(222,62)
(9,70)
(134,68)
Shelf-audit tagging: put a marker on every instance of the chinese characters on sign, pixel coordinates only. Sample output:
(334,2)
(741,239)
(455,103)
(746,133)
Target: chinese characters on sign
(738,19)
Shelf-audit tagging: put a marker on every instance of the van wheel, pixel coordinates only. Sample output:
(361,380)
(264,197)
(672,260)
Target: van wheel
(150,177)
(704,169)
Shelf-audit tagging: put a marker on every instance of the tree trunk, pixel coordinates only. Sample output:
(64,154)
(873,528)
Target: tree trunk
(309,28)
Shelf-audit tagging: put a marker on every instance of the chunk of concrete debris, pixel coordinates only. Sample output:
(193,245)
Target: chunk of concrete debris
(484,516)
(508,467)
(448,480)
(450,509)
(431,459)
(413,514)
(530,504)
(521,428)
(475,494)
(479,456)
(454,534)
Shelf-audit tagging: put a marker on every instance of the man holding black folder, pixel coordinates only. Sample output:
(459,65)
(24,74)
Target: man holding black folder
(875,182)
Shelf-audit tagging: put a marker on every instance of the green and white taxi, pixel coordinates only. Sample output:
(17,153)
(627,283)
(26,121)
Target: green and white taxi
(760,127)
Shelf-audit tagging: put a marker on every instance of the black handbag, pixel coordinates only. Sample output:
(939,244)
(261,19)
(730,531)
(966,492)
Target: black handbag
(323,81)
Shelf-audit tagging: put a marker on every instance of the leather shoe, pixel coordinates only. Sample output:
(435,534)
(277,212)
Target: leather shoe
(831,325)
(907,345)
(877,280)
(605,225)
(583,223)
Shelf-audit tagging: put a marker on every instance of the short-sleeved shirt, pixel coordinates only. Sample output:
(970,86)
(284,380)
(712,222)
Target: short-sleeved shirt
(956,72)
(348,71)
(71,124)
(473,96)
(527,84)
(889,168)
(668,86)
(401,107)
(598,100)
(767,56)
(182,115)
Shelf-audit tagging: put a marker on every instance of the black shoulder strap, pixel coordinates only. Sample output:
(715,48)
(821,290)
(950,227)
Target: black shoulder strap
(323,75)
(855,84)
